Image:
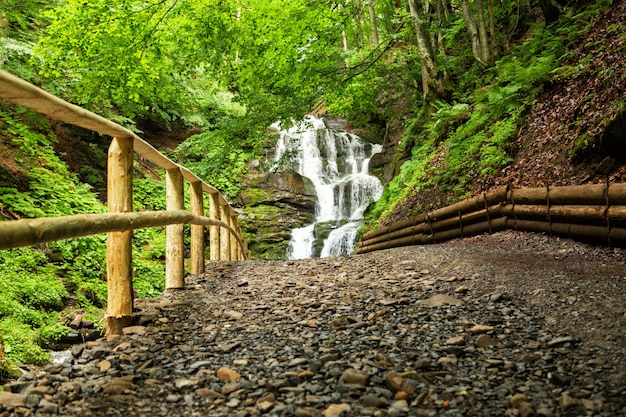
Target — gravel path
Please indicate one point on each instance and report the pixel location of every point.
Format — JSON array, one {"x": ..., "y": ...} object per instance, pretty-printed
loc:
[{"x": 502, "y": 325}]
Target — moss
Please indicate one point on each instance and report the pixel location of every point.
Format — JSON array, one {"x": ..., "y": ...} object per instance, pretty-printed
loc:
[
  {"x": 255, "y": 196},
  {"x": 264, "y": 227},
  {"x": 262, "y": 212}
]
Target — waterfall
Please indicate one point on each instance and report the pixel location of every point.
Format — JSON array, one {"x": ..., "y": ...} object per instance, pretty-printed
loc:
[{"x": 337, "y": 163}]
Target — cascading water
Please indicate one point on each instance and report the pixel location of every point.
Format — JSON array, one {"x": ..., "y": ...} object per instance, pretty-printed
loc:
[{"x": 337, "y": 163}]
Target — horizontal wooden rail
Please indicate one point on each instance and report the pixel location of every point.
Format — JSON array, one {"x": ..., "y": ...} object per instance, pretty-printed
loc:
[
  {"x": 595, "y": 213},
  {"x": 466, "y": 206},
  {"x": 226, "y": 238},
  {"x": 17, "y": 233}
]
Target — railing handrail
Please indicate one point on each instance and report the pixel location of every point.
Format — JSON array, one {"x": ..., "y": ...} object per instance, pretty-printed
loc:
[
  {"x": 17, "y": 91},
  {"x": 25, "y": 232},
  {"x": 121, "y": 220}
]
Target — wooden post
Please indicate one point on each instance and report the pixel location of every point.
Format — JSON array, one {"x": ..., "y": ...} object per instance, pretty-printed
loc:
[
  {"x": 119, "y": 249},
  {"x": 240, "y": 253},
  {"x": 233, "y": 239},
  {"x": 224, "y": 235},
  {"x": 175, "y": 245},
  {"x": 197, "y": 231},
  {"x": 242, "y": 250},
  {"x": 214, "y": 231}
]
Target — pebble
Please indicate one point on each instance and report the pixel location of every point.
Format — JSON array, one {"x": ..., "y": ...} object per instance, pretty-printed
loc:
[
  {"x": 484, "y": 340},
  {"x": 352, "y": 376},
  {"x": 566, "y": 402},
  {"x": 336, "y": 410},
  {"x": 227, "y": 374},
  {"x": 382, "y": 334},
  {"x": 480, "y": 328},
  {"x": 456, "y": 341},
  {"x": 105, "y": 365}
]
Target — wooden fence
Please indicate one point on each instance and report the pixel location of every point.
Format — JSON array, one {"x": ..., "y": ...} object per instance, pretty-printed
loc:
[
  {"x": 226, "y": 239},
  {"x": 594, "y": 213}
]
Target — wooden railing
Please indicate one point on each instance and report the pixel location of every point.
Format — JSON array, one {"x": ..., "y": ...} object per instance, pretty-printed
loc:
[
  {"x": 594, "y": 213},
  {"x": 226, "y": 238}
]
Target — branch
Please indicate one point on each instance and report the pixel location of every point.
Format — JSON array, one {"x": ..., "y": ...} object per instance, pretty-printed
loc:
[
  {"x": 156, "y": 25},
  {"x": 391, "y": 43},
  {"x": 371, "y": 63}
]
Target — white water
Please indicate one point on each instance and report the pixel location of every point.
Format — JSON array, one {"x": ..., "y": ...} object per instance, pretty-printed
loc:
[{"x": 337, "y": 163}]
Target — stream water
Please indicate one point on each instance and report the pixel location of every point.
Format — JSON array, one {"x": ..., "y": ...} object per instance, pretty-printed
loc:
[{"x": 337, "y": 163}]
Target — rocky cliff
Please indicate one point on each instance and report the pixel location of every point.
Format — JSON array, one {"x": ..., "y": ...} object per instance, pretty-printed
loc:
[{"x": 270, "y": 205}]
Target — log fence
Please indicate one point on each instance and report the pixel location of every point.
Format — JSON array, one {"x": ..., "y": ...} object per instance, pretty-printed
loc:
[
  {"x": 593, "y": 213},
  {"x": 226, "y": 239}
]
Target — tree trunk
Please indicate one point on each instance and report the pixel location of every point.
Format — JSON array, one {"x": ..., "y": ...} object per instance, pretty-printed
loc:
[
  {"x": 370, "y": 3},
  {"x": 482, "y": 31},
  {"x": 424, "y": 44},
  {"x": 4, "y": 26},
  {"x": 472, "y": 29},
  {"x": 492, "y": 28},
  {"x": 358, "y": 41},
  {"x": 442, "y": 15},
  {"x": 344, "y": 39}
]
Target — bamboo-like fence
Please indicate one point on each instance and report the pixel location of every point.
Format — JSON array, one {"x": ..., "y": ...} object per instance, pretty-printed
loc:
[
  {"x": 226, "y": 239},
  {"x": 593, "y": 213}
]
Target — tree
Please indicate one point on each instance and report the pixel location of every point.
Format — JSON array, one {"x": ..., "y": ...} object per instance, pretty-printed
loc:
[
  {"x": 163, "y": 56},
  {"x": 431, "y": 74},
  {"x": 477, "y": 29},
  {"x": 372, "y": 12}
]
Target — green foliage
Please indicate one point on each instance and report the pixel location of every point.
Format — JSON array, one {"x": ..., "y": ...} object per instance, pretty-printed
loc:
[
  {"x": 53, "y": 189},
  {"x": 15, "y": 53},
  {"x": 36, "y": 283},
  {"x": 219, "y": 156},
  {"x": 148, "y": 194},
  {"x": 455, "y": 144},
  {"x": 21, "y": 342},
  {"x": 20, "y": 21},
  {"x": 357, "y": 101},
  {"x": 158, "y": 58},
  {"x": 152, "y": 242},
  {"x": 31, "y": 295},
  {"x": 53, "y": 332},
  {"x": 446, "y": 117},
  {"x": 83, "y": 266},
  {"x": 91, "y": 176},
  {"x": 149, "y": 278},
  {"x": 217, "y": 160}
]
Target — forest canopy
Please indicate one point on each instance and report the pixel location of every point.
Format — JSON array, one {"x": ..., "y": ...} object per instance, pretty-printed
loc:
[{"x": 171, "y": 57}]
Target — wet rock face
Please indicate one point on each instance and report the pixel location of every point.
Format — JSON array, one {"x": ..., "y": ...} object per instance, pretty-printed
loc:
[
  {"x": 386, "y": 164},
  {"x": 288, "y": 188},
  {"x": 271, "y": 204}
]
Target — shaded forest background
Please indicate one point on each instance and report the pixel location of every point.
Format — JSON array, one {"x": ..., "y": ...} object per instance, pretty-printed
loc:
[{"x": 465, "y": 95}]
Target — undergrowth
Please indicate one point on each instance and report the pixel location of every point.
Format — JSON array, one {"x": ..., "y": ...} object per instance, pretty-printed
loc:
[
  {"x": 454, "y": 143},
  {"x": 42, "y": 287}
]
